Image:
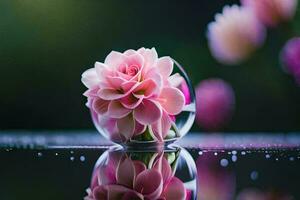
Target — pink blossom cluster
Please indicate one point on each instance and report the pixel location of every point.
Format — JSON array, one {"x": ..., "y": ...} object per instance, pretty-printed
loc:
[
  {"x": 239, "y": 30},
  {"x": 272, "y": 12},
  {"x": 132, "y": 92}
]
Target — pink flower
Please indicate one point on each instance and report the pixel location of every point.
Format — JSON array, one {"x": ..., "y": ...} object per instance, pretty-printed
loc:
[
  {"x": 215, "y": 103},
  {"x": 290, "y": 57},
  {"x": 124, "y": 178},
  {"x": 234, "y": 34},
  {"x": 214, "y": 181},
  {"x": 253, "y": 193},
  {"x": 135, "y": 89},
  {"x": 272, "y": 12}
]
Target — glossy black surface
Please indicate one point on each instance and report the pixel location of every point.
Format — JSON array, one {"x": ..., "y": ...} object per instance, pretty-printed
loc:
[{"x": 224, "y": 170}]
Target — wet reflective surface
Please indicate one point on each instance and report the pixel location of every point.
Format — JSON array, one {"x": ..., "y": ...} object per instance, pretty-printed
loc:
[{"x": 211, "y": 167}]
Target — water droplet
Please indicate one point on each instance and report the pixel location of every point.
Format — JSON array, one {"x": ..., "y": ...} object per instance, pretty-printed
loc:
[
  {"x": 234, "y": 152},
  {"x": 39, "y": 154},
  {"x": 268, "y": 156},
  {"x": 216, "y": 153},
  {"x": 200, "y": 153},
  {"x": 72, "y": 158},
  {"x": 243, "y": 153},
  {"x": 292, "y": 159},
  {"x": 71, "y": 152},
  {"x": 234, "y": 158},
  {"x": 224, "y": 162},
  {"x": 82, "y": 158},
  {"x": 254, "y": 175},
  {"x": 56, "y": 154},
  {"x": 276, "y": 159}
]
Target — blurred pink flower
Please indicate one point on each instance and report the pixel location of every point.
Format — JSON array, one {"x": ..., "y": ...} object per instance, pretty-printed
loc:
[
  {"x": 272, "y": 12},
  {"x": 251, "y": 194},
  {"x": 135, "y": 89},
  {"x": 214, "y": 181},
  {"x": 290, "y": 57},
  {"x": 215, "y": 103},
  {"x": 234, "y": 34},
  {"x": 123, "y": 178},
  {"x": 256, "y": 194}
]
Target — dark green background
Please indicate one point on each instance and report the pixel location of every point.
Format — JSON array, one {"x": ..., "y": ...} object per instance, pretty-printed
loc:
[{"x": 45, "y": 45}]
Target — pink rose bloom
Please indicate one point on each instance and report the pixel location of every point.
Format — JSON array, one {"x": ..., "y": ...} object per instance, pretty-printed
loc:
[
  {"x": 234, "y": 34},
  {"x": 215, "y": 103},
  {"x": 134, "y": 89},
  {"x": 123, "y": 178},
  {"x": 272, "y": 12},
  {"x": 290, "y": 57}
]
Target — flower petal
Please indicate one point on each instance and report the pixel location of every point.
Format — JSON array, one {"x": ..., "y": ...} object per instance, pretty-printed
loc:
[
  {"x": 114, "y": 59},
  {"x": 100, "y": 106},
  {"x": 115, "y": 82},
  {"x": 116, "y": 192},
  {"x": 129, "y": 52},
  {"x": 175, "y": 80},
  {"x": 175, "y": 190},
  {"x": 89, "y": 78},
  {"x": 150, "y": 56},
  {"x": 126, "y": 126},
  {"x": 172, "y": 100},
  {"x": 100, "y": 68},
  {"x": 146, "y": 88},
  {"x": 165, "y": 66},
  {"x": 117, "y": 110},
  {"x": 163, "y": 167},
  {"x": 135, "y": 59},
  {"x": 91, "y": 92},
  {"x": 132, "y": 195},
  {"x": 139, "y": 128},
  {"x": 129, "y": 86},
  {"x": 130, "y": 101},
  {"x": 100, "y": 192},
  {"x": 147, "y": 112},
  {"x": 125, "y": 172},
  {"x": 139, "y": 167},
  {"x": 110, "y": 94},
  {"x": 161, "y": 128},
  {"x": 154, "y": 75},
  {"x": 149, "y": 183}
]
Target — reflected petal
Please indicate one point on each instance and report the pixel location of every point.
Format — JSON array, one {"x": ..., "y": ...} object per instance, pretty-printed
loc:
[
  {"x": 175, "y": 190},
  {"x": 149, "y": 183}
]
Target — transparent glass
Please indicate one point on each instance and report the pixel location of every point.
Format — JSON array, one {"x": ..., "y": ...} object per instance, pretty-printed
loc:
[
  {"x": 168, "y": 174},
  {"x": 180, "y": 123}
]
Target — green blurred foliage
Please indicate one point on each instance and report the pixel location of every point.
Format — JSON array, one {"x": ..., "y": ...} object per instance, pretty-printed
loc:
[{"x": 45, "y": 45}]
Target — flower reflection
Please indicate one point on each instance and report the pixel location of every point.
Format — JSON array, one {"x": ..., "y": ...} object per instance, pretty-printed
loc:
[
  {"x": 256, "y": 194},
  {"x": 214, "y": 181},
  {"x": 141, "y": 175}
]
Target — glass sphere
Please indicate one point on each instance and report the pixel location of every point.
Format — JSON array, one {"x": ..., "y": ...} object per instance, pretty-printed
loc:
[
  {"x": 166, "y": 130},
  {"x": 126, "y": 175}
]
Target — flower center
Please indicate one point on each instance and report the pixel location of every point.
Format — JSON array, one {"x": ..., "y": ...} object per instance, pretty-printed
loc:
[{"x": 132, "y": 70}]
